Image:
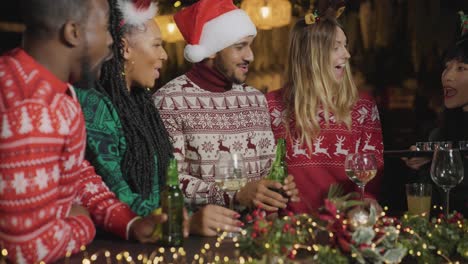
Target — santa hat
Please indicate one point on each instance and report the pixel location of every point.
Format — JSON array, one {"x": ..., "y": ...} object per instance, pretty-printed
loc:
[
  {"x": 136, "y": 12},
  {"x": 209, "y": 26}
]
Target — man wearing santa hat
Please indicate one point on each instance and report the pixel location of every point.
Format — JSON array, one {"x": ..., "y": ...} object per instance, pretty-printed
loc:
[{"x": 210, "y": 111}]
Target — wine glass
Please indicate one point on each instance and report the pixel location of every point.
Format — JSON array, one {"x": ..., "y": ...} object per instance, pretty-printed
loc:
[
  {"x": 229, "y": 176},
  {"x": 447, "y": 171},
  {"x": 361, "y": 168}
]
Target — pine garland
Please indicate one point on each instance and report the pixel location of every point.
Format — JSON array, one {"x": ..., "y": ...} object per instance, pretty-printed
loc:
[{"x": 340, "y": 235}]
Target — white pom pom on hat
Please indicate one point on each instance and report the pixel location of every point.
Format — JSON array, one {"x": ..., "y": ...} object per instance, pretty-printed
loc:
[
  {"x": 195, "y": 53},
  {"x": 209, "y": 26}
]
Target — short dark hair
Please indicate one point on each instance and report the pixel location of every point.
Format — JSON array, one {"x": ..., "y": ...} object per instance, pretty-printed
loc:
[{"x": 44, "y": 17}]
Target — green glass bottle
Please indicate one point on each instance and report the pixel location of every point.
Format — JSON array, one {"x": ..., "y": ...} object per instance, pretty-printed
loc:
[
  {"x": 279, "y": 169},
  {"x": 172, "y": 204}
]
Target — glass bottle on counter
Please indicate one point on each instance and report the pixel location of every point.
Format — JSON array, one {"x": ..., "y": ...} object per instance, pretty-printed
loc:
[
  {"x": 172, "y": 204},
  {"x": 279, "y": 169}
]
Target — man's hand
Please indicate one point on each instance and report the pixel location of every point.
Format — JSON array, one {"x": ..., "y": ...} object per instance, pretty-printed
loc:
[
  {"x": 207, "y": 220},
  {"x": 415, "y": 163},
  {"x": 79, "y": 210},
  {"x": 261, "y": 193},
  {"x": 142, "y": 229}
]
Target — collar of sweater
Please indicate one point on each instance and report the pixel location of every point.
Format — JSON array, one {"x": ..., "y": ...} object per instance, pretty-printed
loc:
[{"x": 209, "y": 79}]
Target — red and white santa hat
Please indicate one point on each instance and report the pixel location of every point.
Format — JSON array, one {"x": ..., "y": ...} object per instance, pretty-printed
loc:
[
  {"x": 136, "y": 12},
  {"x": 209, "y": 26}
]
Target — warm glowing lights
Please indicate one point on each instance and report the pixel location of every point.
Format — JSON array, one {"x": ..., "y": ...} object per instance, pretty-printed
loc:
[
  {"x": 265, "y": 12},
  {"x": 387, "y": 227},
  {"x": 268, "y": 14},
  {"x": 171, "y": 27},
  {"x": 170, "y": 32}
]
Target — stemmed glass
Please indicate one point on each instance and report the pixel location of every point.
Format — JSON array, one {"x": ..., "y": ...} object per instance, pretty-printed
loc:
[
  {"x": 229, "y": 176},
  {"x": 447, "y": 171},
  {"x": 361, "y": 168}
]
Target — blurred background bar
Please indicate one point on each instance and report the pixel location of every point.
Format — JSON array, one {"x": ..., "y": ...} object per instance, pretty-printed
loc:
[{"x": 396, "y": 46}]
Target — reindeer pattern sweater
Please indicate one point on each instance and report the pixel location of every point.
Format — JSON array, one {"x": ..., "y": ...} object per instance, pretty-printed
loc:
[
  {"x": 314, "y": 171},
  {"x": 205, "y": 115},
  {"x": 42, "y": 171}
]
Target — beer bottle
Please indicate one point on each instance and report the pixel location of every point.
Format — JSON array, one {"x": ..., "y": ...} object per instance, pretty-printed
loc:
[
  {"x": 279, "y": 169},
  {"x": 172, "y": 203}
]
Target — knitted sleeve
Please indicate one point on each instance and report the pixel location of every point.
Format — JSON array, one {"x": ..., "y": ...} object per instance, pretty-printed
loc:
[
  {"x": 105, "y": 149},
  {"x": 196, "y": 190},
  {"x": 35, "y": 196},
  {"x": 105, "y": 209}
]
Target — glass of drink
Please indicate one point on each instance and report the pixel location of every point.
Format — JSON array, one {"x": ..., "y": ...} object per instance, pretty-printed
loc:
[
  {"x": 229, "y": 176},
  {"x": 447, "y": 171},
  {"x": 361, "y": 168},
  {"x": 422, "y": 146},
  {"x": 418, "y": 197}
]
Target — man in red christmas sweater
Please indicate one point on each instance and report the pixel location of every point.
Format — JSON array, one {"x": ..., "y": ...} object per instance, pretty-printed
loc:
[
  {"x": 50, "y": 197},
  {"x": 209, "y": 111}
]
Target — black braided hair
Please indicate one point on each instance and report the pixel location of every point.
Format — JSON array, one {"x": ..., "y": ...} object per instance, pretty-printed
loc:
[{"x": 143, "y": 128}]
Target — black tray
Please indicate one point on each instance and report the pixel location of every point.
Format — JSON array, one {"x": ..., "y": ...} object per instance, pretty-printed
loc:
[
  {"x": 413, "y": 153},
  {"x": 408, "y": 153}
]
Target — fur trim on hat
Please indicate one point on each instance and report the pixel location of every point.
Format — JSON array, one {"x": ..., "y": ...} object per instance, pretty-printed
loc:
[
  {"x": 136, "y": 14},
  {"x": 220, "y": 33}
]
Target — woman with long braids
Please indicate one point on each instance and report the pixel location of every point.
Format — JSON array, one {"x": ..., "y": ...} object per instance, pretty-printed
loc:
[{"x": 127, "y": 141}]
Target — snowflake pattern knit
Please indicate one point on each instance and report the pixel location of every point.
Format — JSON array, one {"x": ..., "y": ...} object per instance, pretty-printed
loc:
[
  {"x": 314, "y": 171},
  {"x": 202, "y": 124},
  {"x": 42, "y": 171}
]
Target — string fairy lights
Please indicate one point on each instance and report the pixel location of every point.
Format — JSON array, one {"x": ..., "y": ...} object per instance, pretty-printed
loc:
[{"x": 442, "y": 239}]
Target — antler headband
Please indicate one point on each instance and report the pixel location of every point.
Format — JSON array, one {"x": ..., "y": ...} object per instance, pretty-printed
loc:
[
  {"x": 464, "y": 22},
  {"x": 313, "y": 17}
]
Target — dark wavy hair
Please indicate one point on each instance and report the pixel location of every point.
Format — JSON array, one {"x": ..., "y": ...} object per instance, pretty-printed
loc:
[{"x": 144, "y": 130}]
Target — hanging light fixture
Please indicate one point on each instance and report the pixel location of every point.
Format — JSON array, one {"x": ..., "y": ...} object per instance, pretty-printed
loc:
[
  {"x": 268, "y": 14},
  {"x": 170, "y": 32}
]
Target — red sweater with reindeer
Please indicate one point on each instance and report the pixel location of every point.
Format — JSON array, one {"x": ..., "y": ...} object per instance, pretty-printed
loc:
[
  {"x": 206, "y": 115},
  {"x": 314, "y": 171},
  {"x": 42, "y": 171}
]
